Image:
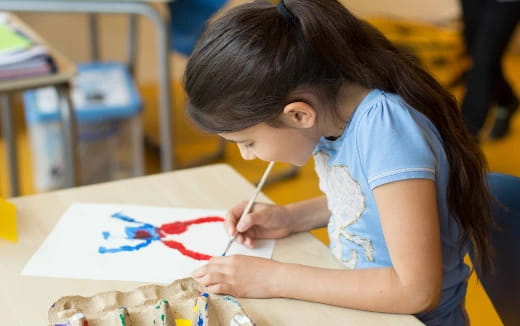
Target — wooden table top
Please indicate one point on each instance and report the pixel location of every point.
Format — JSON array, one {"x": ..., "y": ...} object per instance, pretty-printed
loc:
[{"x": 24, "y": 300}]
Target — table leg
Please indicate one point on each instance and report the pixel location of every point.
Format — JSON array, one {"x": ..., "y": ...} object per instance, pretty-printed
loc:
[
  {"x": 8, "y": 126},
  {"x": 165, "y": 114},
  {"x": 131, "y": 47},
  {"x": 69, "y": 133}
]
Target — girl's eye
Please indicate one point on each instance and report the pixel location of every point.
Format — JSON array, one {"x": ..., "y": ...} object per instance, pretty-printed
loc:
[{"x": 249, "y": 145}]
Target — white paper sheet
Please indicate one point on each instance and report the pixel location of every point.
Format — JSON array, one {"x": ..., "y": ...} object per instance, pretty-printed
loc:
[{"x": 74, "y": 249}]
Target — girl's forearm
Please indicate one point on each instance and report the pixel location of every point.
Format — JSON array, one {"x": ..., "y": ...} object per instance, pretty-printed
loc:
[
  {"x": 375, "y": 289},
  {"x": 309, "y": 214}
]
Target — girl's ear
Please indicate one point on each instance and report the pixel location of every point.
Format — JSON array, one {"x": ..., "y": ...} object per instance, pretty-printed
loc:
[{"x": 299, "y": 115}]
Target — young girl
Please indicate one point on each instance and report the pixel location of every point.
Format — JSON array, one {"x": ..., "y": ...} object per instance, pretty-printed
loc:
[{"x": 404, "y": 182}]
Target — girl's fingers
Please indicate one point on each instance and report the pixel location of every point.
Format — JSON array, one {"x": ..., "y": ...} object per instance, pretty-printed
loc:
[
  {"x": 199, "y": 272},
  {"x": 249, "y": 242},
  {"x": 212, "y": 265},
  {"x": 210, "y": 274},
  {"x": 211, "y": 279},
  {"x": 229, "y": 225},
  {"x": 256, "y": 218},
  {"x": 233, "y": 216},
  {"x": 245, "y": 223},
  {"x": 219, "y": 288}
]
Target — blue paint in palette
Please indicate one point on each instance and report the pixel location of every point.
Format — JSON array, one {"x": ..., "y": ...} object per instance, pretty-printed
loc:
[
  {"x": 232, "y": 300},
  {"x": 202, "y": 309}
]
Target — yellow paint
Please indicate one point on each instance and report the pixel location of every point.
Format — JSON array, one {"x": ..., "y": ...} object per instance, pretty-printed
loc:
[
  {"x": 8, "y": 221},
  {"x": 182, "y": 322},
  {"x": 195, "y": 308}
]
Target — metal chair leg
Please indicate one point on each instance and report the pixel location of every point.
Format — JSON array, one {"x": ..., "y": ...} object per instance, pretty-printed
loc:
[
  {"x": 69, "y": 134},
  {"x": 8, "y": 125},
  {"x": 93, "y": 35},
  {"x": 131, "y": 46}
]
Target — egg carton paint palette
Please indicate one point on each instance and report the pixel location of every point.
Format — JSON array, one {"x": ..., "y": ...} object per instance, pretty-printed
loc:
[{"x": 182, "y": 303}]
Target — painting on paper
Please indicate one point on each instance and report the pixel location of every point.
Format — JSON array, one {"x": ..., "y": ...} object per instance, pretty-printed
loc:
[{"x": 134, "y": 243}]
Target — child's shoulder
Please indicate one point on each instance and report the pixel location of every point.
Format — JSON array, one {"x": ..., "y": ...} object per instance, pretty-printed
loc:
[
  {"x": 388, "y": 117},
  {"x": 382, "y": 108}
]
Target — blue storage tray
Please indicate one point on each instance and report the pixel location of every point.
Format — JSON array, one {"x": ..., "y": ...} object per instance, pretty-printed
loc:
[{"x": 101, "y": 91}]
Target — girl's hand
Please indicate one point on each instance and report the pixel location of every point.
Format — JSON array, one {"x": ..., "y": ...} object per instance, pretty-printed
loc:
[
  {"x": 264, "y": 221},
  {"x": 239, "y": 276}
]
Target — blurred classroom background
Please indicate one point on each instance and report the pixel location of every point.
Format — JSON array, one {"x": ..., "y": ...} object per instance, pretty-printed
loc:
[{"x": 429, "y": 30}]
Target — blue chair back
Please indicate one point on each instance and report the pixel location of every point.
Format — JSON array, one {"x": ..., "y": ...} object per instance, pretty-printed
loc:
[
  {"x": 503, "y": 287},
  {"x": 187, "y": 21}
]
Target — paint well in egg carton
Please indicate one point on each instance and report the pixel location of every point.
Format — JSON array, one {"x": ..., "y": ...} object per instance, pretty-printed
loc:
[{"x": 182, "y": 303}]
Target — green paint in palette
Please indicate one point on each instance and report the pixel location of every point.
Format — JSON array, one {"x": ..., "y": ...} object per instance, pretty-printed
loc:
[
  {"x": 162, "y": 314},
  {"x": 124, "y": 317}
]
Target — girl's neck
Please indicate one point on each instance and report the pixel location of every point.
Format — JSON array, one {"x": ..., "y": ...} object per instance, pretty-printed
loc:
[{"x": 349, "y": 97}]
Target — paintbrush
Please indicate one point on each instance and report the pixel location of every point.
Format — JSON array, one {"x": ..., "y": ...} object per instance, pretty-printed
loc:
[{"x": 250, "y": 203}]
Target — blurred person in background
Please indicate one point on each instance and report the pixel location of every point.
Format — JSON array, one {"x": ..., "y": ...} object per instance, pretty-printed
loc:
[{"x": 488, "y": 27}]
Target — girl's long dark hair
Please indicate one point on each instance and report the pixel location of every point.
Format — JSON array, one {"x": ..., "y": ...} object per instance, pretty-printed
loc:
[{"x": 248, "y": 63}]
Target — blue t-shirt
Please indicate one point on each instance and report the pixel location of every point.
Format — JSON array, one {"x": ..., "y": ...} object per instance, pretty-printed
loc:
[{"x": 386, "y": 140}]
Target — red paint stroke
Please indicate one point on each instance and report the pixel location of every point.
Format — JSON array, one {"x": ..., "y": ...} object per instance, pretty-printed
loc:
[
  {"x": 186, "y": 252},
  {"x": 181, "y": 227}
]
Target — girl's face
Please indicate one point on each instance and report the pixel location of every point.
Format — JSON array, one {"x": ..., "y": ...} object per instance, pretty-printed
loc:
[
  {"x": 282, "y": 144},
  {"x": 301, "y": 130}
]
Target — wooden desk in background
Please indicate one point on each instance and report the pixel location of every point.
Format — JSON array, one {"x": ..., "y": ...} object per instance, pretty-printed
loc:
[
  {"x": 60, "y": 80},
  {"x": 24, "y": 300},
  {"x": 145, "y": 8}
]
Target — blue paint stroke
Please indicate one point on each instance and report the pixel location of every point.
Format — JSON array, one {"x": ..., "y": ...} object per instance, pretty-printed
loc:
[
  {"x": 144, "y": 232},
  {"x": 105, "y": 250},
  {"x": 106, "y": 235}
]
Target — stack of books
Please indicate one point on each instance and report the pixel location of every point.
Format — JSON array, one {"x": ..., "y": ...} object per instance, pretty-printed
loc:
[{"x": 21, "y": 56}]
